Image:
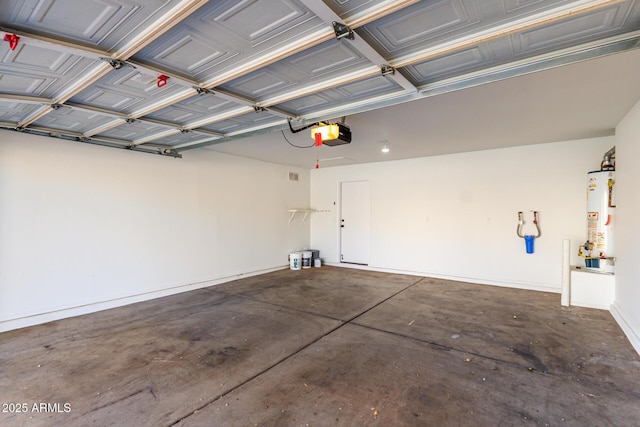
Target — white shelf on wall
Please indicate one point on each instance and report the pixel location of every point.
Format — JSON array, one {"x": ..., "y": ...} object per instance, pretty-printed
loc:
[{"x": 306, "y": 212}]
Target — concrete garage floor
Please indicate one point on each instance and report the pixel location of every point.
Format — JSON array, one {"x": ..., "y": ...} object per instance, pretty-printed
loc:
[{"x": 325, "y": 347}]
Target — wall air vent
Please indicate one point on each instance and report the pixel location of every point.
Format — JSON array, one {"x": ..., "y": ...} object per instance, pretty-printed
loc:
[{"x": 293, "y": 176}]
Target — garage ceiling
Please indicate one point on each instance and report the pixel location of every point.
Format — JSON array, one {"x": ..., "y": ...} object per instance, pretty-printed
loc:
[{"x": 165, "y": 76}]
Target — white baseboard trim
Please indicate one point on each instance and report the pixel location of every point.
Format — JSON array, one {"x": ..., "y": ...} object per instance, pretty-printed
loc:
[
  {"x": 632, "y": 335},
  {"x": 37, "y": 319},
  {"x": 541, "y": 287},
  {"x": 589, "y": 304}
]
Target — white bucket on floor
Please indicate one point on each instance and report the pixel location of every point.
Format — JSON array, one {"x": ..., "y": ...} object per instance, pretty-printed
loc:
[
  {"x": 306, "y": 259},
  {"x": 295, "y": 260},
  {"x": 317, "y": 262}
]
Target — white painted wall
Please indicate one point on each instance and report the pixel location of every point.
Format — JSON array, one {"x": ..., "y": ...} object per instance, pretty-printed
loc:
[
  {"x": 626, "y": 308},
  {"x": 84, "y": 228},
  {"x": 455, "y": 216}
]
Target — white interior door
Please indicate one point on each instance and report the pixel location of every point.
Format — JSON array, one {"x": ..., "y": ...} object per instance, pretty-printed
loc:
[{"x": 355, "y": 218}]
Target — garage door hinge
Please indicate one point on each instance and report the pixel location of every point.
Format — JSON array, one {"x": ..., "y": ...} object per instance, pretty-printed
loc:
[
  {"x": 116, "y": 63},
  {"x": 202, "y": 90},
  {"x": 342, "y": 31}
]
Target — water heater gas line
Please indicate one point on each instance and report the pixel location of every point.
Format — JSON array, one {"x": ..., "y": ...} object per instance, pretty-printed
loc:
[{"x": 528, "y": 238}]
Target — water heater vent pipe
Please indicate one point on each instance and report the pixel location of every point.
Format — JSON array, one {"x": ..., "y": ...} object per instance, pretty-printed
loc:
[{"x": 608, "y": 160}]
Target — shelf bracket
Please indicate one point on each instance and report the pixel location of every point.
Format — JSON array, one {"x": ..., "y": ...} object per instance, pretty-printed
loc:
[{"x": 293, "y": 212}]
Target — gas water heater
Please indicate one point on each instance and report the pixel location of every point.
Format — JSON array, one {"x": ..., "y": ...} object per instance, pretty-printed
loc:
[{"x": 599, "y": 251}]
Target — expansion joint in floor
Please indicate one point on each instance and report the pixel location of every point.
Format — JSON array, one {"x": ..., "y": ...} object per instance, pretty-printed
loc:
[{"x": 289, "y": 356}]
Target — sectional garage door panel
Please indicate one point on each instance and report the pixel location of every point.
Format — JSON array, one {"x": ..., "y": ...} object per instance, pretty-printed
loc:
[{"x": 176, "y": 72}]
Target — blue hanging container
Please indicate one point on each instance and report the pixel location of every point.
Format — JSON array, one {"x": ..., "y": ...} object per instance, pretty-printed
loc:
[{"x": 528, "y": 241}]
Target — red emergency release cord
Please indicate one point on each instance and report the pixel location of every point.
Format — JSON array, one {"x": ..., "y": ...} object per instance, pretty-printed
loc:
[
  {"x": 318, "y": 138},
  {"x": 12, "y": 39}
]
